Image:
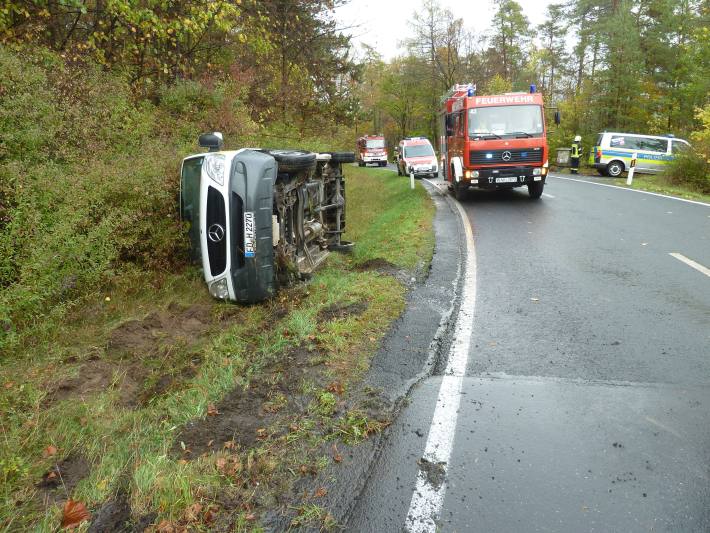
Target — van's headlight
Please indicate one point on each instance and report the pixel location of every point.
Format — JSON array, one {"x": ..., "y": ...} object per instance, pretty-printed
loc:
[
  {"x": 214, "y": 166},
  {"x": 219, "y": 289}
]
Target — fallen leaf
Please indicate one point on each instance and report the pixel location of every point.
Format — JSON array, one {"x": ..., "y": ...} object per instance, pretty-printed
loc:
[
  {"x": 182, "y": 461},
  {"x": 50, "y": 451},
  {"x": 336, "y": 455},
  {"x": 322, "y": 491},
  {"x": 261, "y": 433},
  {"x": 229, "y": 445},
  {"x": 210, "y": 443},
  {"x": 9, "y": 385},
  {"x": 165, "y": 527},
  {"x": 336, "y": 387},
  {"x": 212, "y": 410},
  {"x": 192, "y": 513},
  {"x": 250, "y": 517},
  {"x": 75, "y": 513},
  {"x": 220, "y": 463}
]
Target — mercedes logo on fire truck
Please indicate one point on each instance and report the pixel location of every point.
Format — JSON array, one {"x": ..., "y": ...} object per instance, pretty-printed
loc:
[
  {"x": 506, "y": 156},
  {"x": 215, "y": 233}
]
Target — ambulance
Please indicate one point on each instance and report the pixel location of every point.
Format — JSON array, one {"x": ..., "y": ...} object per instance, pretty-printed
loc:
[{"x": 416, "y": 155}]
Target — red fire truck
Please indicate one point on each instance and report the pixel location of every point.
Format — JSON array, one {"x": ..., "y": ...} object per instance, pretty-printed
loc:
[
  {"x": 371, "y": 149},
  {"x": 493, "y": 142}
]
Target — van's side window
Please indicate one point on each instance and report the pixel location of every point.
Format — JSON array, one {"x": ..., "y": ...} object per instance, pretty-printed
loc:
[
  {"x": 678, "y": 147},
  {"x": 654, "y": 145},
  {"x": 618, "y": 141}
]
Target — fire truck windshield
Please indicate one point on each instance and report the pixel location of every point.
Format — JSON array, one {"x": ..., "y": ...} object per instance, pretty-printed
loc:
[
  {"x": 418, "y": 150},
  {"x": 375, "y": 143},
  {"x": 497, "y": 121}
]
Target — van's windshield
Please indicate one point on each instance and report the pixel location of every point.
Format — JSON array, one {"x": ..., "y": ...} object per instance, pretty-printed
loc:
[
  {"x": 512, "y": 120},
  {"x": 418, "y": 150}
]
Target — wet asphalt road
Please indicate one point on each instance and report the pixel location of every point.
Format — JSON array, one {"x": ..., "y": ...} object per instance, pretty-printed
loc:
[{"x": 586, "y": 401}]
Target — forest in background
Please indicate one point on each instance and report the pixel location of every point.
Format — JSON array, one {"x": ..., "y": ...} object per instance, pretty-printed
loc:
[
  {"x": 103, "y": 98},
  {"x": 622, "y": 65}
]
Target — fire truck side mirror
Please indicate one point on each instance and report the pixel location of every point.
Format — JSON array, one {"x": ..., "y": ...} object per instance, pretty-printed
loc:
[
  {"x": 449, "y": 126},
  {"x": 558, "y": 118}
]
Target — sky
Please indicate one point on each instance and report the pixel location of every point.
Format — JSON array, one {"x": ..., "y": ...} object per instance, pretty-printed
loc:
[{"x": 383, "y": 23}]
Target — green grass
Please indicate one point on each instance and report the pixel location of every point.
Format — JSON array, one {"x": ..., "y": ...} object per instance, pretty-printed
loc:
[
  {"x": 653, "y": 183},
  {"x": 129, "y": 448}
]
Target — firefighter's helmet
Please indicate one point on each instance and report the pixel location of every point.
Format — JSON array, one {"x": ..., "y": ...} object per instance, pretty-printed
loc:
[{"x": 577, "y": 138}]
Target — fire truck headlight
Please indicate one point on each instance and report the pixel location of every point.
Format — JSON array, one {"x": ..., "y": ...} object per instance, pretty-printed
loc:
[
  {"x": 219, "y": 289},
  {"x": 214, "y": 166},
  {"x": 537, "y": 171},
  {"x": 475, "y": 174}
]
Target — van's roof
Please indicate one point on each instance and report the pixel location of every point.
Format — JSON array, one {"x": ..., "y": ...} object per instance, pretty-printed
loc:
[{"x": 642, "y": 135}]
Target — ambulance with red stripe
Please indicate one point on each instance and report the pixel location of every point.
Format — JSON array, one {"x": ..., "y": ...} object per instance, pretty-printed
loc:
[{"x": 493, "y": 142}]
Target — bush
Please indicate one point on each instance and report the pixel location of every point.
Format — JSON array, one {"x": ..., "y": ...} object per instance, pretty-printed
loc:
[
  {"x": 692, "y": 168},
  {"x": 89, "y": 181}
]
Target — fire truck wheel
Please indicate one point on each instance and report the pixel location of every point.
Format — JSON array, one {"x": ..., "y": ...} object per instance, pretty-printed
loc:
[
  {"x": 460, "y": 192},
  {"x": 342, "y": 157},
  {"x": 535, "y": 189},
  {"x": 293, "y": 160},
  {"x": 614, "y": 169}
]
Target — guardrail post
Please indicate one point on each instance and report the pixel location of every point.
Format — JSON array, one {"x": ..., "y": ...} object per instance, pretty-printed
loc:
[
  {"x": 632, "y": 167},
  {"x": 411, "y": 179}
]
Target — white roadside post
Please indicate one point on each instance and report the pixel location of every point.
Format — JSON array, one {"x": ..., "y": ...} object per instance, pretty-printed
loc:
[
  {"x": 632, "y": 167},
  {"x": 411, "y": 178}
]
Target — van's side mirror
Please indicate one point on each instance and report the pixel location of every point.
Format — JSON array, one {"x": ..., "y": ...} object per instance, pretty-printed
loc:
[
  {"x": 212, "y": 141},
  {"x": 557, "y": 118}
]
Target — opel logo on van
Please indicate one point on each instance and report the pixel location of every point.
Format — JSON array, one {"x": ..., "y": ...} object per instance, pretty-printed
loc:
[
  {"x": 506, "y": 156},
  {"x": 215, "y": 233}
]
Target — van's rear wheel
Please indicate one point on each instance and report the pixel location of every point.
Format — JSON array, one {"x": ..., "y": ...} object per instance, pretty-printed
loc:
[{"x": 614, "y": 169}]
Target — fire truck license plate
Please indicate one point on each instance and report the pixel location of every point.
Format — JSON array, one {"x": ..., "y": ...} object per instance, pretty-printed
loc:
[
  {"x": 249, "y": 250},
  {"x": 506, "y": 180}
]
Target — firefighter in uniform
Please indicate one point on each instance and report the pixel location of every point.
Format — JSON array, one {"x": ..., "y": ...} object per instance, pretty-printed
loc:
[{"x": 575, "y": 154}]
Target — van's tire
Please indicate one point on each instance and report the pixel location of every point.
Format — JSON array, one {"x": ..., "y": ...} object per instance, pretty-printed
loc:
[
  {"x": 614, "y": 169},
  {"x": 535, "y": 189},
  {"x": 293, "y": 160},
  {"x": 342, "y": 157}
]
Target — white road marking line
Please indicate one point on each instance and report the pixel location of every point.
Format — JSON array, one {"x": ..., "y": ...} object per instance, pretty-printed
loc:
[
  {"x": 547, "y": 195},
  {"x": 428, "y": 498},
  {"x": 633, "y": 190},
  {"x": 691, "y": 263}
]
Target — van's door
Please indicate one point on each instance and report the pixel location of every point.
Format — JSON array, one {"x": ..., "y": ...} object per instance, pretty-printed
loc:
[{"x": 653, "y": 153}]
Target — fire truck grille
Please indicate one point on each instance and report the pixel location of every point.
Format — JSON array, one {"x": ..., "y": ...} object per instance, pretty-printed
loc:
[
  {"x": 496, "y": 157},
  {"x": 216, "y": 225}
]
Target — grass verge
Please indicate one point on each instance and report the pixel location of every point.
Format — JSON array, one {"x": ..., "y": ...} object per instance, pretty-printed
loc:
[
  {"x": 651, "y": 183},
  {"x": 157, "y": 406}
]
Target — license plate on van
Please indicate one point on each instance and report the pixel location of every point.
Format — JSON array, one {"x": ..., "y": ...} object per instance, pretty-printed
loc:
[
  {"x": 249, "y": 248},
  {"x": 506, "y": 180}
]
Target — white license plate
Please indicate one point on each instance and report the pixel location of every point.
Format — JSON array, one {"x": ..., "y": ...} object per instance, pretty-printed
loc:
[
  {"x": 249, "y": 248},
  {"x": 506, "y": 180}
]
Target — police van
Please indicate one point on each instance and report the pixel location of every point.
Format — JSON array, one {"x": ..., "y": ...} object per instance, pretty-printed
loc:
[{"x": 613, "y": 152}]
